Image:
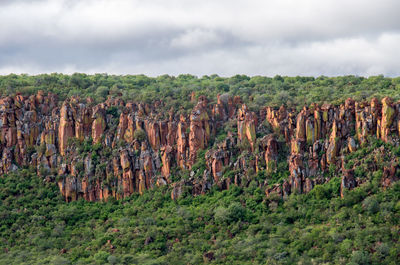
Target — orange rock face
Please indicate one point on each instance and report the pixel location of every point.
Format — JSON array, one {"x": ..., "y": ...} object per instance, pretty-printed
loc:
[
  {"x": 167, "y": 161},
  {"x": 301, "y": 126},
  {"x": 333, "y": 147},
  {"x": 66, "y": 127},
  {"x": 122, "y": 125},
  {"x": 99, "y": 123},
  {"x": 182, "y": 144},
  {"x": 83, "y": 122},
  {"x": 246, "y": 123},
  {"x": 271, "y": 153},
  {"x": 216, "y": 162},
  {"x": 219, "y": 110},
  {"x": 130, "y": 129},
  {"x": 35, "y": 132},
  {"x": 199, "y": 130},
  {"x": 388, "y": 116},
  {"x": 153, "y": 132}
]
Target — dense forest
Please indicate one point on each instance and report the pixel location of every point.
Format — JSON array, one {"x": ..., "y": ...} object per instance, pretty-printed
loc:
[
  {"x": 237, "y": 226},
  {"x": 256, "y": 91},
  {"x": 260, "y": 187}
]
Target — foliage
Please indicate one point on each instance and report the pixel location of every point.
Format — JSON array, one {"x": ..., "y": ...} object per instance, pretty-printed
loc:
[
  {"x": 256, "y": 91},
  {"x": 237, "y": 225},
  {"x": 139, "y": 135}
]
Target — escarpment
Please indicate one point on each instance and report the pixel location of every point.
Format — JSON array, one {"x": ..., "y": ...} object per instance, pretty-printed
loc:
[{"x": 116, "y": 148}]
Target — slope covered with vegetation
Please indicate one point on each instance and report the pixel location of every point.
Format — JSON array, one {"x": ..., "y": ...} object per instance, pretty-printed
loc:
[
  {"x": 237, "y": 226},
  {"x": 257, "y": 190}
]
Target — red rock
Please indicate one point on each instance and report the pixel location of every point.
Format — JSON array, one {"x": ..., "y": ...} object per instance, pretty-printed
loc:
[
  {"x": 147, "y": 170},
  {"x": 33, "y": 127},
  {"x": 246, "y": 122},
  {"x": 83, "y": 122},
  {"x": 167, "y": 161},
  {"x": 215, "y": 162},
  {"x": 122, "y": 125},
  {"x": 301, "y": 125},
  {"x": 130, "y": 129},
  {"x": 182, "y": 143},
  {"x": 199, "y": 130},
  {"x": 297, "y": 173},
  {"x": 99, "y": 123},
  {"x": 231, "y": 108},
  {"x": 313, "y": 161},
  {"x": 333, "y": 147},
  {"x": 388, "y": 115},
  {"x": 66, "y": 127},
  {"x": 271, "y": 153},
  {"x": 153, "y": 133},
  {"x": 219, "y": 112}
]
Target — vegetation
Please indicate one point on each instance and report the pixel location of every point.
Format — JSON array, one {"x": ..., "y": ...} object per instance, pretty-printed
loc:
[
  {"x": 235, "y": 226},
  {"x": 256, "y": 91},
  {"x": 238, "y": 226},
  {"x": 139, "y": 135}
]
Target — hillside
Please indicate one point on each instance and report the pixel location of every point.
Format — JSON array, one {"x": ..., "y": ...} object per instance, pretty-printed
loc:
[{"x": 185, "y": 170}]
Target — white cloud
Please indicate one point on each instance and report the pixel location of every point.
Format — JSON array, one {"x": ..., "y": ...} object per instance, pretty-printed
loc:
[
  {"x": 303, "y": 37},
  {"x": 196, "y": 38}
]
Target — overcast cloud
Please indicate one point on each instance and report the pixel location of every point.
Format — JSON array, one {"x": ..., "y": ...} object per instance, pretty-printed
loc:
[{"x": 153, "y": 37}]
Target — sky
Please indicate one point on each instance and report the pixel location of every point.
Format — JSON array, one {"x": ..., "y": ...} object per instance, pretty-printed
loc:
[{"x": 155, "y": 37}]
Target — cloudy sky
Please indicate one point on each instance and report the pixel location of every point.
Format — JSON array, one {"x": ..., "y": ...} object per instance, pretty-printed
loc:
[{"x": 226, "y": 37}]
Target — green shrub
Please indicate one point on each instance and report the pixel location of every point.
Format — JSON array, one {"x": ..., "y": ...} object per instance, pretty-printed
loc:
[
  {"x": 236, "y": 212},
  {"x": 112, "y": 259},
  {"x": 221, "y": 215},
  {"x": 371, "y": 205},
  {"x": 360, "y": 258},
  {"x": 140, "y": 135}
]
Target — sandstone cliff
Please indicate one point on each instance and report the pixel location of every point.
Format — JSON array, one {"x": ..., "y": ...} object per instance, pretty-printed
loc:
[{"x": 116, "y": 148}]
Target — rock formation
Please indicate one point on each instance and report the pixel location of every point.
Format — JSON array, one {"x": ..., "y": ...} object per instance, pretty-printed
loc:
[{"x": 94, "y": 154}]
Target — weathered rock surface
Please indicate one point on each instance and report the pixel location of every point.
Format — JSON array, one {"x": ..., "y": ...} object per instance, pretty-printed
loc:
[
  {"x": 52, "y": 137},
  {"x": 199, "y": 135},
  {"x": 246, "y": 123}
]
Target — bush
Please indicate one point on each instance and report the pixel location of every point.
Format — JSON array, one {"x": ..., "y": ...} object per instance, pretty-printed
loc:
[
  {"x": 221, "y": 215},
  {"x": 360, "y": 258},
  {"x": 140, "y": 135},
  {"x": 382, "y": 250},
  {"x": 320, "y": 192},
  {"x": 127, "y": 259},
  {"x": 60, "y": 261},
  {"x": 236, "y": 212},
  {"x": 101, "y": 256},
  {"x": 371, "y": 205},
  {"x": 112, "y": 259}
]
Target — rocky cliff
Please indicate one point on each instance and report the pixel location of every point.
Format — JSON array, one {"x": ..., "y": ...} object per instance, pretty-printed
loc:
[{"x": 116, "y": 148}]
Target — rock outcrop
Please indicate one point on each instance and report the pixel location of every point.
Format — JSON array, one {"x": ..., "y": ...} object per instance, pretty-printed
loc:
[
  {"x": 66, "y": 127},
  {"x": 246, "y": 123},
  {"x": 117, "y": 148},
  {"x": 199, "y": 135}
]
